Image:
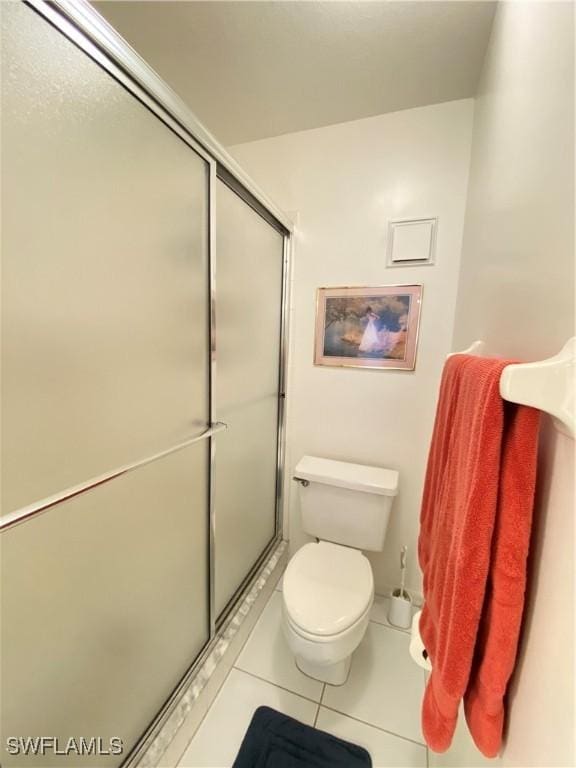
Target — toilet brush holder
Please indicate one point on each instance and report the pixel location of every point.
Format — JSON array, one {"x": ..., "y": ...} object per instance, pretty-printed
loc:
[{"x": 400, "y": 609}]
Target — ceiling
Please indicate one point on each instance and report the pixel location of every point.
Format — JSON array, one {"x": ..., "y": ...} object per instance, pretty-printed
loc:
[{"x": 250, "y": 70}]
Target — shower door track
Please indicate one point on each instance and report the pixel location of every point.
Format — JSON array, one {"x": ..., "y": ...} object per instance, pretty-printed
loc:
[
  {"x": 145, "y": 742},
  {"x": 80, "y": 23}
]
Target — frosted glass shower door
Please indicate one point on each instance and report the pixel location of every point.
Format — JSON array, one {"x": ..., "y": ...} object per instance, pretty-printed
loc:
[
  {"x": 249, "y": 269},
  {"x": 105, "y": 364}
]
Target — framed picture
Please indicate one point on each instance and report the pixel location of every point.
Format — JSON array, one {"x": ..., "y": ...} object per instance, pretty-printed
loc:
[{"x": 368, "y": 327}]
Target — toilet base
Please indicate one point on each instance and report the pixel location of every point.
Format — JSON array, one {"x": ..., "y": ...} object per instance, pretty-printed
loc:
[{"x": 333, "y": 674}]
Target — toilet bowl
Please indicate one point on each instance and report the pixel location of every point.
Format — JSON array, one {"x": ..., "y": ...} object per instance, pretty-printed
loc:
[
  {"x": 328, "y": 591},
  {"x": 328, "y": 586}
]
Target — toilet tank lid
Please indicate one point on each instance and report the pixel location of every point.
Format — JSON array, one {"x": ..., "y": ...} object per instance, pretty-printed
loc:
[{"x": 356, "y": 477}]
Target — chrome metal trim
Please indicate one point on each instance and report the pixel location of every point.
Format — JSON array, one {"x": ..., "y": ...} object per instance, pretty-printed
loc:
[
  {"x": 38, "y": 507},
  {"x": 236, "y": 186},
  {"x": 79, "y": 21},
  {"x": 142, "y": 745},
  {"x": 247, "y": 581},
  {"x": 282, "y": 381},
  {"x": 122, "y": 75},
  {"x": 280, "y": 394},
  {"x": 252, "y": 577},
  {"x": 81, "y": 24},
  {"x": 212, "y": 214}
]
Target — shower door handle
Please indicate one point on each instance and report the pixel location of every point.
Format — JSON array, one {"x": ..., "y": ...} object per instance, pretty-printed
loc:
[{"x": 213, "y": 429}]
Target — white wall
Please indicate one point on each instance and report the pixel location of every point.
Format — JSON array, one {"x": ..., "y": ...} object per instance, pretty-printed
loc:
[
  {"x": 516, "y": 291},
  {"x": 346, "y": 181}
]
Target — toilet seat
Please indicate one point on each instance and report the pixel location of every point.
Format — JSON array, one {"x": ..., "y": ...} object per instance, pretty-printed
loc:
[
  {"x": 327, "y": 590},
  {"x": 340, "y": 636}
]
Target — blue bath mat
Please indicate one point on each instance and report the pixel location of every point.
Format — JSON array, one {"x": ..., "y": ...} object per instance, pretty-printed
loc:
[{"x": 274, "y": 740}]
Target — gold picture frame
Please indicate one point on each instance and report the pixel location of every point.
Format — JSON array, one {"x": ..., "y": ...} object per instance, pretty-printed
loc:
[{"x": 368, "y": 327}]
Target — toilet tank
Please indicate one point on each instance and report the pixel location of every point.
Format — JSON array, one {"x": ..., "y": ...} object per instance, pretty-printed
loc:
[{"x": 346, "y": 503}]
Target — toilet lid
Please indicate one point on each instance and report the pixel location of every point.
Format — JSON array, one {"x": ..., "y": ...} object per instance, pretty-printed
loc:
[{"x": 327, "y": 588}]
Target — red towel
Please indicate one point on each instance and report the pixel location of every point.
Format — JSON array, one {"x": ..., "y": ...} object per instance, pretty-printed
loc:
[{"x": 474, "y": 534}]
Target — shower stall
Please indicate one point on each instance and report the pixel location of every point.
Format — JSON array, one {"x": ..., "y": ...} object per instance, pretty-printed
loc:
[{"x": 143, "y": 343}]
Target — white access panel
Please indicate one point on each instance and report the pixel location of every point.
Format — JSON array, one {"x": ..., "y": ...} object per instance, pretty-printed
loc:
[{"x": 411, "y": 242}]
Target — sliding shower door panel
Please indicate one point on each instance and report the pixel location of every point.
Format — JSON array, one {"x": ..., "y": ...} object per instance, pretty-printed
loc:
[
  {"x": 105, "y": 363},
  {"x": 104, "y": 607},
  {"x": 105, "y": 270},
  {"x": 249, "y": 269}
]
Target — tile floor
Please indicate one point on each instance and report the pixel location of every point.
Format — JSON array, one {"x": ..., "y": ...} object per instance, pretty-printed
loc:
[{"x": 378, "y": 707}]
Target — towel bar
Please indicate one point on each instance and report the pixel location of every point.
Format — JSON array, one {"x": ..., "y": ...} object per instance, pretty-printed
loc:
[
  {"x": 23, "y": 514},
  {"x": 545, "y": 384}
]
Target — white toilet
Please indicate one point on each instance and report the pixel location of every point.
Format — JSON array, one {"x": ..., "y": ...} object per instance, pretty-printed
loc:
[{"x": 328, "y": 586}]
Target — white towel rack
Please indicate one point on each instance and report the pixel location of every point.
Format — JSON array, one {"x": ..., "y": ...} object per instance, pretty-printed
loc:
[{"x": 546, "y": 384}]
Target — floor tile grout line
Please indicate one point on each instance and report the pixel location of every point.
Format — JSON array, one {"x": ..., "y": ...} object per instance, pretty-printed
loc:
[
  {"x": 319, "y": 704},
  {"x": 377, "y": 727},
  {"x": 316, "y": 715},
  {"x": 224, "y": 681},
  {"x": 282, "y": 687},
  {"x": 389, "y": 626},
  {"x": 324, "y": 690}
]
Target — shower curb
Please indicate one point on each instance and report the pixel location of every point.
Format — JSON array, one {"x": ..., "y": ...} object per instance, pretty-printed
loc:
[{"x": 154, "y": 752}]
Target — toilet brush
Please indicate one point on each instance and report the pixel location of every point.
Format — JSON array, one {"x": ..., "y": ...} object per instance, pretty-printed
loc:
[
  {"x": 403, "y": 552},
  {"x": 400, "y": 609}
]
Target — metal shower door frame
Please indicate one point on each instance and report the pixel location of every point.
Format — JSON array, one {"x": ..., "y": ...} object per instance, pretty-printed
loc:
[{"x": 81, "y": 24}]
